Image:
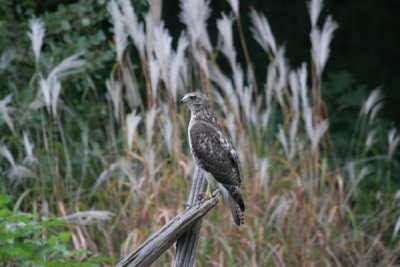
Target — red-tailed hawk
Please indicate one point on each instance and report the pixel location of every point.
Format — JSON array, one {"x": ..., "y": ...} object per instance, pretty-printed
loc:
[{"x": 213, "y": 152}]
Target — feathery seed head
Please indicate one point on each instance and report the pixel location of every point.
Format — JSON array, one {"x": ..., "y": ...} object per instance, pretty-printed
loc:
[
  {"x": 314, "y": 9},
  {"x": 28, "y": 145},
  {"x": 224, "y": 26},
  {"x": 194, "y": 15},
  {"x": 177, "y": 67},
  {"x": 393, "y": 141},
  {"x": 36, "y": 35},
  {"x": 133, "y": 27},
  {"x": 120, "y": 33},
  {"x": 5, "y": 110},
  {"x": 87, "y": 217},
  {"x": 262, "y": 32},
  {"x": 235, "y": 6},
  {"x": 320, "y": 42},
  {"x": 132, "y": 122},
  {"x": 373, "y": 99}
]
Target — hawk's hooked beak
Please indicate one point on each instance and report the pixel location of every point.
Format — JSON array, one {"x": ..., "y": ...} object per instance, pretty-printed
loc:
[{"x": 183, "y": 100}]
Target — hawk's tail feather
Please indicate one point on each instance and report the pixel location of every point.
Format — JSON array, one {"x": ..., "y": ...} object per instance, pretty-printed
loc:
[
  {"x": 235, "y": 193},
  {"x": 235, "y": 201},
  {"x": 236, "y": 210},
  {"x": 239, "y": 201}
]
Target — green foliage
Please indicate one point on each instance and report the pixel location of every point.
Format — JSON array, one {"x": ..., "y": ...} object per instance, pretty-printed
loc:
[{"x": 30, "y": 240}]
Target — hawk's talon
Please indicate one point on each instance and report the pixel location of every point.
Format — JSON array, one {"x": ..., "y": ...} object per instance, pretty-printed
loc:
[{"x": 204, "y": 196}]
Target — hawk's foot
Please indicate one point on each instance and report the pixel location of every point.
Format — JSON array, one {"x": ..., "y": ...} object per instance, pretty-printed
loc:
[{"x": 205, "y": 195}]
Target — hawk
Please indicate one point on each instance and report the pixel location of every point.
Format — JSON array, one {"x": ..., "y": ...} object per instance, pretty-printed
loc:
[{"x": 214, "y": 154}]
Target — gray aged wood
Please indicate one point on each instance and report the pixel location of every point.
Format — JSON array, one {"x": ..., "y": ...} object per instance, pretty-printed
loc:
[
  {"x": 187, "y": 243},
  {"x": 165, "y": 237}
]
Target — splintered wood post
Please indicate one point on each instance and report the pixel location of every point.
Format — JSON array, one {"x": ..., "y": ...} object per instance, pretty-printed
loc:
[
  {"x": 187, "y": 243},
  {"x": 165, "y": 237}
]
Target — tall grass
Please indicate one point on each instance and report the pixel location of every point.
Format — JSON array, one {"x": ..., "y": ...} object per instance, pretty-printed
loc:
[{"x": 122, "y": 168}]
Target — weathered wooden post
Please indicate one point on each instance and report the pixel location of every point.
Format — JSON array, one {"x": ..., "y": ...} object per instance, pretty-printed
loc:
[
  {"x": 185, "y": 226},
  {"x": 187, "y": 243}
]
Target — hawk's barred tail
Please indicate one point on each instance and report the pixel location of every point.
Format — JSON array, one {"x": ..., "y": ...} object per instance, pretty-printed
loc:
[
  {"x": 236, "y": 204},
  {"x": 234, "y": 191},
  {"x": 237, "y": 213}
]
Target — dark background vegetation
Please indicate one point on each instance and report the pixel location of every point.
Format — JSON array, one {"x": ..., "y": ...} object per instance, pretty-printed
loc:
[{"x": 365, "y": 45}]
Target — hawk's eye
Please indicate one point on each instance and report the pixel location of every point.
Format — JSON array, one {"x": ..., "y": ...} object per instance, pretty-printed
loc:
[{"x": 192, "y": 97}]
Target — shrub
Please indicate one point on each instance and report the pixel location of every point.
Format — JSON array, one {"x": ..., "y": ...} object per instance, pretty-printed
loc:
[{"x": 28, "y": 240}]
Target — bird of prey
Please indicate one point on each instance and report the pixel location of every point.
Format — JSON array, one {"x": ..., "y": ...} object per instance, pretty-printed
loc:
[{"x": 214, "y": 154}]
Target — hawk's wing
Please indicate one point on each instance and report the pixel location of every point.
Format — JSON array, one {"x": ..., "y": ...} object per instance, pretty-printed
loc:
[{"x": 214, "y": 152}]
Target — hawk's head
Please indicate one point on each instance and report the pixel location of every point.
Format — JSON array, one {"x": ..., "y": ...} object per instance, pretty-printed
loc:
[{"x": 195, "y": 100}]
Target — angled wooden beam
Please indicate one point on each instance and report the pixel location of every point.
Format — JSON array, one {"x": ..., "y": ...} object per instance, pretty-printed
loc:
[{"x": 165, "y": 237}]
